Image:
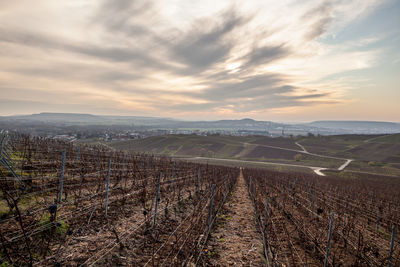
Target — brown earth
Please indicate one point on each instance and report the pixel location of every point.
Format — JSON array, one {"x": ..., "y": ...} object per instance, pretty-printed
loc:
[{"x": 235, "y": 241}]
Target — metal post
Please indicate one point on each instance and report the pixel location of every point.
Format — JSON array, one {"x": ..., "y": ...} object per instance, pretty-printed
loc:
[
  {"x": 266, "y": 214},
  {"x": 377, "y": 220},
  {"x": 326, "y": 264},
  {"x": 226, "y": 188},
  {"x": 198, "y": 178},
  {"x": 147, "y": 168},
  {"x": 345, "y": 210},
  {"x": 77, "y": 153},
  {"x": 2, "y": 145},
  {"x": 313, "y": 204},
  {"x": 99, "y": 162},
  {"x": 250, "y": 185},
  {"x": 157, "y": 198},
  {"x": 392, "y": 245},
  {"x": 123, "y": 166},
  {"x": 108, "y": 183},
  {"x": 211, "y": 208},
  {"x": 173, "y": 173},
  {"x": 62, "y": 176}
]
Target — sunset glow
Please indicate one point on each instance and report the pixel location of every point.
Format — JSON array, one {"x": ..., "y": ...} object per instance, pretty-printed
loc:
[{"x": 268, "y": 60}]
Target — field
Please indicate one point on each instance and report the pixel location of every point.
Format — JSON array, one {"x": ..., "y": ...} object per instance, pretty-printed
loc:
[
  {"x": 93, "y": 203},
  {"x": 377, "y": 154},
  {"x": 298, "y": 213},
  {"x": 64, "y": 204},
  {"x": 249, "y": 148}
]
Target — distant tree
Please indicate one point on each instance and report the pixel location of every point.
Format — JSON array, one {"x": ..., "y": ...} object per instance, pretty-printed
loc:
[{"x": 298, "y": 157}]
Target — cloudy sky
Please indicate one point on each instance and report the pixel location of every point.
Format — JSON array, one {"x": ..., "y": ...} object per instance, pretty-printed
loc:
[{"x": 288, "y": 60}]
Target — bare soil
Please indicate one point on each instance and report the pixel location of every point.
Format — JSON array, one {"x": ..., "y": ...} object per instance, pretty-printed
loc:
[{"x": 235, "y": 241}]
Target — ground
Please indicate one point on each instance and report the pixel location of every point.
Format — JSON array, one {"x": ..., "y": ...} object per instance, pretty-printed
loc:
[
  {"x": 235, "y": 241},
  {"x": 376, "y": 154}
]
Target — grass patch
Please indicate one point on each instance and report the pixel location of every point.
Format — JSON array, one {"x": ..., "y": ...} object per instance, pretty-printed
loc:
[{"x": 61, "y": 227}]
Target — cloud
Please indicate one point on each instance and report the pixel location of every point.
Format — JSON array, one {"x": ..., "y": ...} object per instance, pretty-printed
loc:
[
  {"x": 144, "y": 59},
  {"x": 319, "y": 18},
  {"x": 265, "y": 55},
  {"x": 199, "y": 48}
]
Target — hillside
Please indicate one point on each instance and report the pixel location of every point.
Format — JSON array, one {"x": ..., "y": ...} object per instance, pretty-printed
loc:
[
  {"x": 381, "y": 148},
  {"x": 370, "y": 153},
  {"x": 251, "y": 148}
]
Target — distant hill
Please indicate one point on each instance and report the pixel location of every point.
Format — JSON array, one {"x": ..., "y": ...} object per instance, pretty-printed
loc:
[
  {"x": 247, "y": 125},
  {"x": 72, "y": 118},
  {"x": 77, "y": 118},
  {"x": 359, "y": 126}
]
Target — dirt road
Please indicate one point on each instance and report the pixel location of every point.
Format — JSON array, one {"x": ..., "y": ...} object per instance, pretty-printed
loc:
[{"x": 236, "y": 241}]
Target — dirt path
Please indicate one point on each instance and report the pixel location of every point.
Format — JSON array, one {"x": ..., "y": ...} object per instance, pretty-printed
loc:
[{"x": 236, "y": 241}]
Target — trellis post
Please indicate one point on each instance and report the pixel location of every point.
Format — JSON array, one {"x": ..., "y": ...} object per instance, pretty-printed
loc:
[
  {"x": 392, "y": 245},
  {"x": 108, "y": 184},
  {"x": 266, "y": 214},
  {"x": 157, "y": 198},
  {"x": 62, "y": 176},
  {"x": 78, "y": 154},
  {"x": 329, "y": 240},
  {"x": 198, "y": 178},
  {"x": 211, "y": 208}
]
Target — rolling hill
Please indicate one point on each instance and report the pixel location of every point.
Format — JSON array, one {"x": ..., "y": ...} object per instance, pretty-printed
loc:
[
  {"x": 370, "y": 153},
  {"x": 246, "y": 125}
]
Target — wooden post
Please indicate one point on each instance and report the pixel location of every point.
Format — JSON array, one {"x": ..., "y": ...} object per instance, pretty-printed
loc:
[{"x": 62, "y": 176}]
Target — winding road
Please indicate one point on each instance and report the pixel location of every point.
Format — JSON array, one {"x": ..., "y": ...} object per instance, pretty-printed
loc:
[{"x": 316, "y": 169}]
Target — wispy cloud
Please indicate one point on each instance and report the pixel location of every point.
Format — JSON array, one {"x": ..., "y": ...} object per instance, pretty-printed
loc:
[{"x": 147, "y": 57}]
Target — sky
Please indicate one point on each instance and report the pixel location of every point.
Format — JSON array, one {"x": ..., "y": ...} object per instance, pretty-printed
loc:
[{"x": 288, "y": 60}]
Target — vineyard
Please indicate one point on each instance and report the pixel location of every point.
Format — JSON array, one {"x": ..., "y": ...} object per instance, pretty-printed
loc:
[
  {"x": 64, "y": 204},
  {"x": 68, "y": 205},
  {"x": 309, "y": 221}
]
